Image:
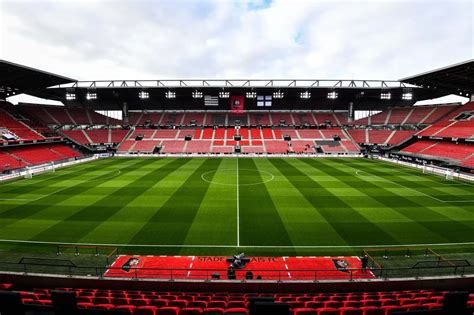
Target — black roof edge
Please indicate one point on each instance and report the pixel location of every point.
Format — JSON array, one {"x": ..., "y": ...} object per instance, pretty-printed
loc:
[
  {"x": 437, "y": 70},
  {"x": 37, "y": 70}
]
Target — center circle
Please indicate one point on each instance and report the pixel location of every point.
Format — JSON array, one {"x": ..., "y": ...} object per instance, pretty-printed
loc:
[{"x": 230, "y": 177}]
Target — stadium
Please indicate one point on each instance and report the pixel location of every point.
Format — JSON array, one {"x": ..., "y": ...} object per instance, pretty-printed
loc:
[{"x": 237, "y": 196}]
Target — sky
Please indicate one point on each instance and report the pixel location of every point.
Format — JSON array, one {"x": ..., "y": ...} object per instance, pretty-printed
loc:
[{"x": 230, "y": 39}]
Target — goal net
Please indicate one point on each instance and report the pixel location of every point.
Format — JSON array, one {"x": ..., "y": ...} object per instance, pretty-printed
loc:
[
  {"x": 36, "y": 170},
  {"x": 447, "y": 173}
]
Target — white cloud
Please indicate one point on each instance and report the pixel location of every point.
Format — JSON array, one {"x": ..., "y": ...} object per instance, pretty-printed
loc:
[{"x": 147, "y": 39}]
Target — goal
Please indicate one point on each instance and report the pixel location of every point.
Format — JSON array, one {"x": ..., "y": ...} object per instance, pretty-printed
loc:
[
  {"x": 447, "y": 173},
  {"x": 35, "y": 170}
]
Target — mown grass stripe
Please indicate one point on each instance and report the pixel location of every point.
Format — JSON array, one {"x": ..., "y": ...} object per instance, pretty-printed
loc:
[
  {"x": 172, "y": 221},
  {"x": 39, "y": 182},
  {"x": 304, "y": 225},
  {"x": 25, "y": 210},
  {"x": 438, "y": 188},
  {"x": 436, "y": 181},
  {"x": 348, "y": 223},
  {"x": 446, "y": 227},
  {"x": 215, "y": 220},
  {"x": 82, "y": 222},
  {"x": 266, "y": 228},
  {"x": 441, "y": 188},
  {"x": 383, "y": 199}
]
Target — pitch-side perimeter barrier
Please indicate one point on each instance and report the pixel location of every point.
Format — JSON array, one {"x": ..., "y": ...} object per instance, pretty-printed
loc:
[
  {"x": 263, "y": 269},
  {"x": 239, "y": 155},
  {"x": 442, "y": 171},
  {"x": 416, "y": 261},
  {"x": 37, "y": 169}
]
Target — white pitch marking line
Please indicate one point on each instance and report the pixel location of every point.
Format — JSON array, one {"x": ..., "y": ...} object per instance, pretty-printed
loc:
[
  {"x": 388, "y": 180},
  {"x": 190, "y": 266},
  {"x": 238, "y": 206},
  {"x": 232, "y": 246},
  {"x": 203, "y": 177}
]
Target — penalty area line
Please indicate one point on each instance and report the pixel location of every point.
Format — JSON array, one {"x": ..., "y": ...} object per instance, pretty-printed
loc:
[
  {"x": 233, "y": 246},
  {"x": 415, "y": 190}
]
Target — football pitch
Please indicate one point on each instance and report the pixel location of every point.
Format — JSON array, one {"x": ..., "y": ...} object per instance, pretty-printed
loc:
[{"x": 261, "y": 206}]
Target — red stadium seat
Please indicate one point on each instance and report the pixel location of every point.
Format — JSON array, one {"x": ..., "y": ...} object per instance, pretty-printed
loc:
[
  {"x": 145, "y": 310},
  {"x": 120, "y": 301},
  {"x": 129, "y": 308},
  {"x": 85, "y": 305},
  {"x": 372, "y": 310},
  {"x": 415, "y": 307},
  {"x": 167, "y": 311},
  {"x": 355, "y": 304},
  {"x": 139, "y": 302},
  {"x": 158, "y": 303},
  {"x": 213, "y": 311},
  {"x": 391, "y": 309},
  {"x": 202, "y": 298},
  {"x": 198, "y": 304},
  {"x": 220, "y": 298},
  {"x": 434, "y": 306},
  {"x": 389, "y": 302},
  {"x": 334, "y": 304},
  {"x": 178, "y": 303},
  {"x": 101, "y": 300},
  {"x": 5, "y": 286},
  {"x": 190, "y": 311},
  {"x": 236, "y": 311},
  {"x": 376, "y": 303},
  {"x": 103, "y": 306},
  {"x": 350, "y": 311},
  {"x": 236, "y": 304},
  {"x": 314, "y": 304},
  {"x": 217, "y": 304},
  {"x": 304, "y": 311},
  {"x": 328, "y": 311}
]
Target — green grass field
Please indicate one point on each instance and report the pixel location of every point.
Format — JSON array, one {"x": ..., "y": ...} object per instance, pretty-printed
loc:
[{"x": 293, "y": 206}]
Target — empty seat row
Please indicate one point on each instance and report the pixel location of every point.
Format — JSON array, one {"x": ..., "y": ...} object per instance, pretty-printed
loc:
[{"x": 207, "y": 303}]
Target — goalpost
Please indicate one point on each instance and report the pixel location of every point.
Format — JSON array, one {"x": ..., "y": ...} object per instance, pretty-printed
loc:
[
  {"x": 447, "y": 173},
  {"x": 32, "y": 170}
]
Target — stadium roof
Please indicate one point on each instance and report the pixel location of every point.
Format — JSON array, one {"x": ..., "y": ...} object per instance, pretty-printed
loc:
[
  {"x": 113, "y": 94},
  {"x": 365, "y": 94},
  {"x": 454, "y": 79},
  {"x": 16, "y": 79}
]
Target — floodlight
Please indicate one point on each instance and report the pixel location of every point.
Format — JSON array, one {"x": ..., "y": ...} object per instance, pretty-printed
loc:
[
  {"x": 224, "y": 94},
  {"x": 143, "y": 95},
  {"x": 197, "y": 94},
  {"x": 70, "y": 96},
  {"x": 332, "y": 95},
  {"x": 170, "y": 94},
  {"x": 407, "y": 96},
  {"x": 278, "y": 94},
  {"x": 305, "y": 94},
  {"x": 385, "y": 95},
  {"x": 91, "y": 96},
  {"x": 251, "y": 94}
]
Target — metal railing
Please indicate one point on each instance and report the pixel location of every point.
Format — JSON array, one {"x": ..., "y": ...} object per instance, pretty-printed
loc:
[{"x": 457, "y": 268}]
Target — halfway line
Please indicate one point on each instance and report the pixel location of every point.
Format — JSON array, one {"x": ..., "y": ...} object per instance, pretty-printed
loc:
[{"x": 238, "y": 206}]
